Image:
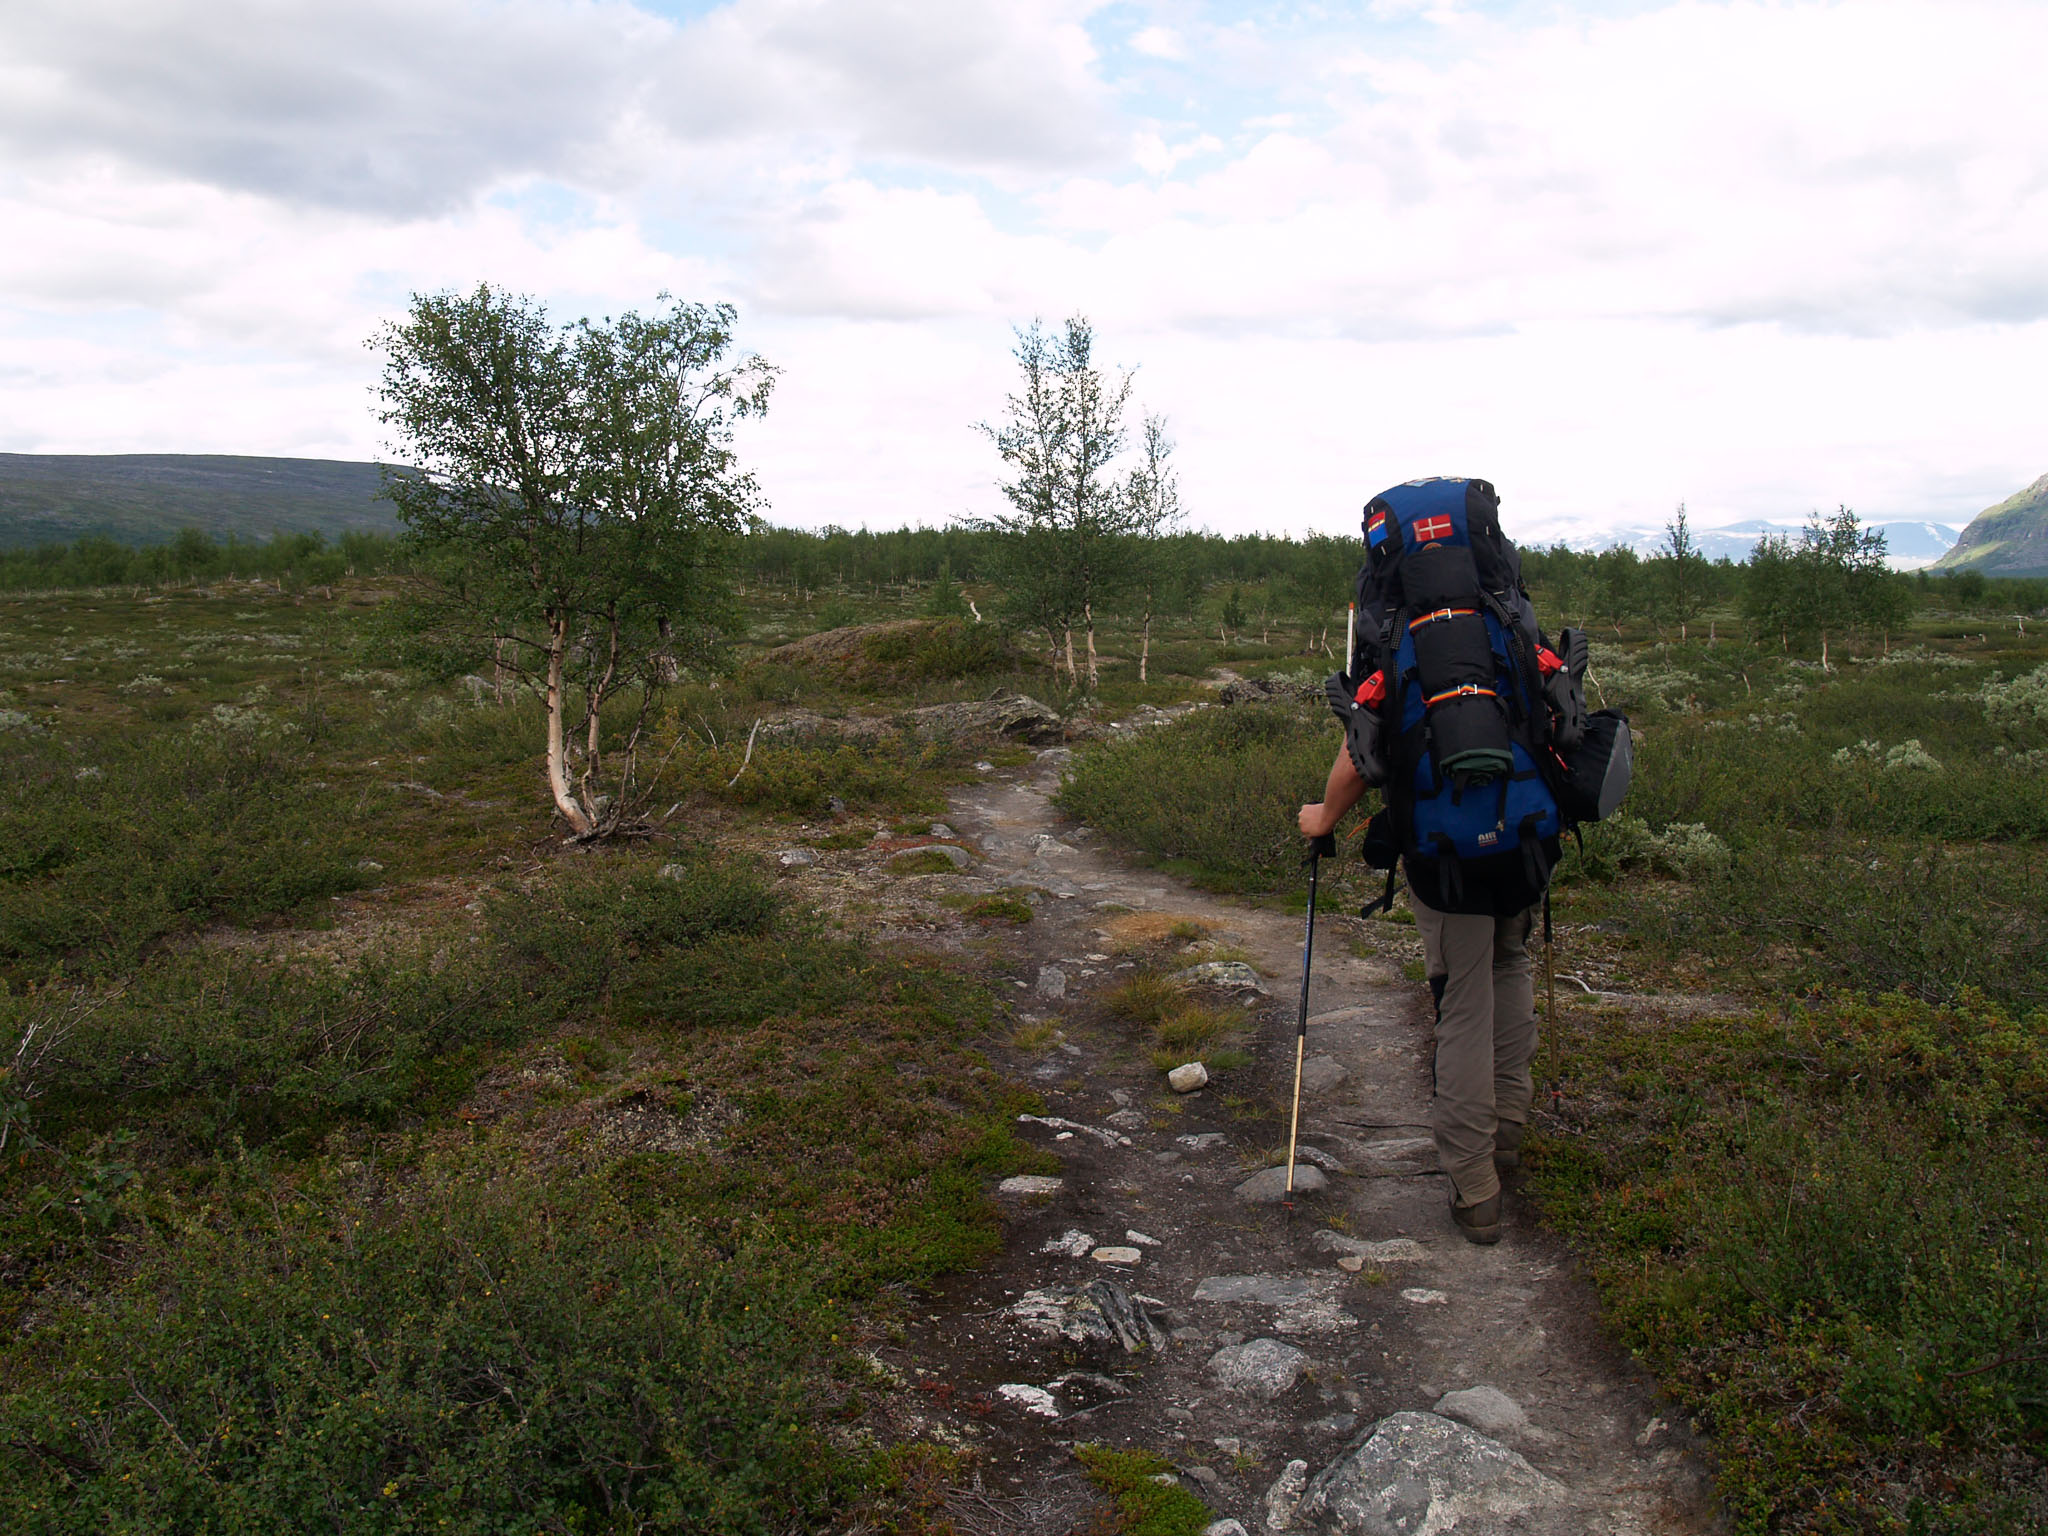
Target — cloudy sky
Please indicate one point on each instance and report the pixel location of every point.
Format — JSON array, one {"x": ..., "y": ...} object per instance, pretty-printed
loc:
[{"x": 1757, "y": 257}]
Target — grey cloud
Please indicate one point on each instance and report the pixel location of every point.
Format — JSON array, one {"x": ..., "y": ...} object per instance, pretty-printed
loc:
[
  {"x": 970, "y": 85},
  {"x": 372, "y": 104},
  {"x": 411, "y": 108}
]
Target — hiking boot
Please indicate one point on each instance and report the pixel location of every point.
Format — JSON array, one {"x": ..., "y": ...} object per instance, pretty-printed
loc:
[
  {"x": 1507, "y": 1143},
  {"x": 1479, "y": 1223}
]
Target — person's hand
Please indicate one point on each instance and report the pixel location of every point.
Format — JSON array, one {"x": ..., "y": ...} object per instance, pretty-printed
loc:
[{"x": 1316, "y": 820}]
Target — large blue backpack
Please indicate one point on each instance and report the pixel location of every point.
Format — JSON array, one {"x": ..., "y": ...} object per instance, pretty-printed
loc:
[{"x": 1467, "y": 753}]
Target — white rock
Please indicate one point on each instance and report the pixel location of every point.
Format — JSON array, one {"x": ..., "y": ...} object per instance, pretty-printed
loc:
[
  {"x": 372, "y": 867},
  {"x": 1329, "y": 1162},
  {"x": 1234, "y": 974},
  {"x": 1031, "y": 1399},
  {"x": 1202, "y": 1141},
  {"x": 1140, "y": 1239},
  {"x": 1269, "y": 1186},
  {"x": 940, "y": 829},
  {"x": 984, "y": 767},
  {"x": 1128, "y": 1119},
  {"x": 1225, "y": 1528},
  {"x": 1073, "y": 1243},
  {"x": 1486, "y": 1409},
  {"x": 1418, "y": 1472},
  {"x": 1187, "y": 1077},
  {"x": 675, "y": 872},
  {"x": 1318, "y": 1315},
  {"x": 1423, "y": 1296},
  {"x": 1052, "y": 982},
  {"x": 1030, "y": 1184},
  {"x": 796, "y": 858},
  {"x": 1259, "y": 1368},
  {"x": 1116, "y": 1256},
  {"x": 1285, "y": 1494}
]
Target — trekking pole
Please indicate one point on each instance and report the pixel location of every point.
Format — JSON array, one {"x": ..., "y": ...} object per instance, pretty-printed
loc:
[
  {"x": 1350, "y": 637},
  {"x": 1318, "y": 848}
]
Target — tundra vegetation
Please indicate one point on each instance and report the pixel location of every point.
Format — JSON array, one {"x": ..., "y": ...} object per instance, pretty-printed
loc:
[{"x": 384, "y": 1151}]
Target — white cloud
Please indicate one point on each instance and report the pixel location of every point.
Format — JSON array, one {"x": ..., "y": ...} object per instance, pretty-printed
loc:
[
  {"x": 1755, "y": 256},
  {"x": 1159, "y": 43}
]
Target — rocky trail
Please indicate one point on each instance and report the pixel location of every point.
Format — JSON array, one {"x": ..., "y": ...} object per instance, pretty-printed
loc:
[{"x": 1351, "y": 1366}]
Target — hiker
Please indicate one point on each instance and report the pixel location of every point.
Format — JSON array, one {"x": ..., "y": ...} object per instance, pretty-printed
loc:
[{"x": 1456, "y": 707}]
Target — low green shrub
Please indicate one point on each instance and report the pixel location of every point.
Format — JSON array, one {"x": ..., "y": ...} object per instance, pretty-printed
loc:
[
  {"x": 1214, "y": 793},
  {"x": 476, "y": 1352},
  {"x": 105, "y": 850},
  {"x": 1827, "y": 1236},
  {"x": 1142, "y": 1505}
]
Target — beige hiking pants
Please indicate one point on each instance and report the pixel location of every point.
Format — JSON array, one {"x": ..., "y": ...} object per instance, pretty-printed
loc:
[{"x": 1485, "y": 1037}]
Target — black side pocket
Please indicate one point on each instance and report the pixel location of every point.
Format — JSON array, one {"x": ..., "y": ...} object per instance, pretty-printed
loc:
[
  {"x": 1468, "y": 733},
  {"x": 1439, "y": 576},
  {"x": 1452, "y": 652}
]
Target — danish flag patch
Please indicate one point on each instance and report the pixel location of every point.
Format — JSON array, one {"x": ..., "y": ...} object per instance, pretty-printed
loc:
[{"x": 1430, "y": 529}]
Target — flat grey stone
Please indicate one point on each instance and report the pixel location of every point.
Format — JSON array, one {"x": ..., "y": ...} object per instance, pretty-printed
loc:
[
  {"x": 1128, "y": 1119},
  {"x": 1052, "y": 982},
  {"x": 1225, "y": 1528},
  {"x": 1201, "y": 1141},
  {"x": 1332, "y": 1424},
  {"x": 1391, "y": 1250},
  {"x": 1264, "y": 1290},
  {"x": 959, "y": 856},
  {"x": 1234, "y": 974},
  {"x": 1260, "y": 1368},
  {"x": 940, "y": 829},
  {"x": 1319, "y": 1074},
  {"x": 1486, "y": 1409},
  {"x": 1116, "y": 1255},
  {"x": 1072, "y": 1243},
  {"x": 1030, "y": 1184},
  {"x": 1187, "y": 1077},
  {"x": 1413, "y": 1472},
  {"x": 1329, "y": 1162},
  {"x": 1269, "y": 1186},
  {"x": 790, "y": 858}
]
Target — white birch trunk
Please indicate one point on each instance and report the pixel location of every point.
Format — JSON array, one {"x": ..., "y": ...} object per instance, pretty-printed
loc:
[
  {"x": 558, "y": 753},
  {"x": 1145, "y": 647},
  {"x": 1094, "y": 677}
]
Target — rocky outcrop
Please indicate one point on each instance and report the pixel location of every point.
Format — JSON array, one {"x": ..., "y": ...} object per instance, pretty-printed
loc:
[{"x": 1417, "y": 1472}]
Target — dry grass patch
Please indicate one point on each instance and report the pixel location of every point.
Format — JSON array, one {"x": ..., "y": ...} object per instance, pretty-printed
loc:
[{"x": 1141, "y": 930}]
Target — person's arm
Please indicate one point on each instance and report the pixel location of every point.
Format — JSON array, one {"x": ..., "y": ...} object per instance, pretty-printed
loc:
[{"x": 1344, "y": 790}]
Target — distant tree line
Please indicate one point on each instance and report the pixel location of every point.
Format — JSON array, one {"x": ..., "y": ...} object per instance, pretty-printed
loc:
[
  {"x": 1289, "y": 581},
  {"x": 194, "y": 557}
]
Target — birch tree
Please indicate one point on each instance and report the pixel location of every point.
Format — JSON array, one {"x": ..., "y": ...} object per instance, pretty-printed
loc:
[
  {"x": 579, "y": 492},
  {"x": 1071, "y": 515}
]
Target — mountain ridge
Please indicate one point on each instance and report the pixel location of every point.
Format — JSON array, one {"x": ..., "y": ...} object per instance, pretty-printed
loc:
[
  {"x": 146, "y": 498},
  {"x": 2010, "y": 539}
]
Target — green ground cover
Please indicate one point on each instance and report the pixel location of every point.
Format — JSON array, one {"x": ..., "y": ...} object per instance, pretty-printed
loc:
[
  {"x": 1815, "y": 1211},
  {"x": 547, "y": 1191}
]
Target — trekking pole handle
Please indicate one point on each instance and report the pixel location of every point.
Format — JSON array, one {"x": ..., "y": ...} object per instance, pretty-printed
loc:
[{"x": 1323, "y": 847}]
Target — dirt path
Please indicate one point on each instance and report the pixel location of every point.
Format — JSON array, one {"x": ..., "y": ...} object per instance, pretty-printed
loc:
[{"x": 1013, "y": 1361}]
